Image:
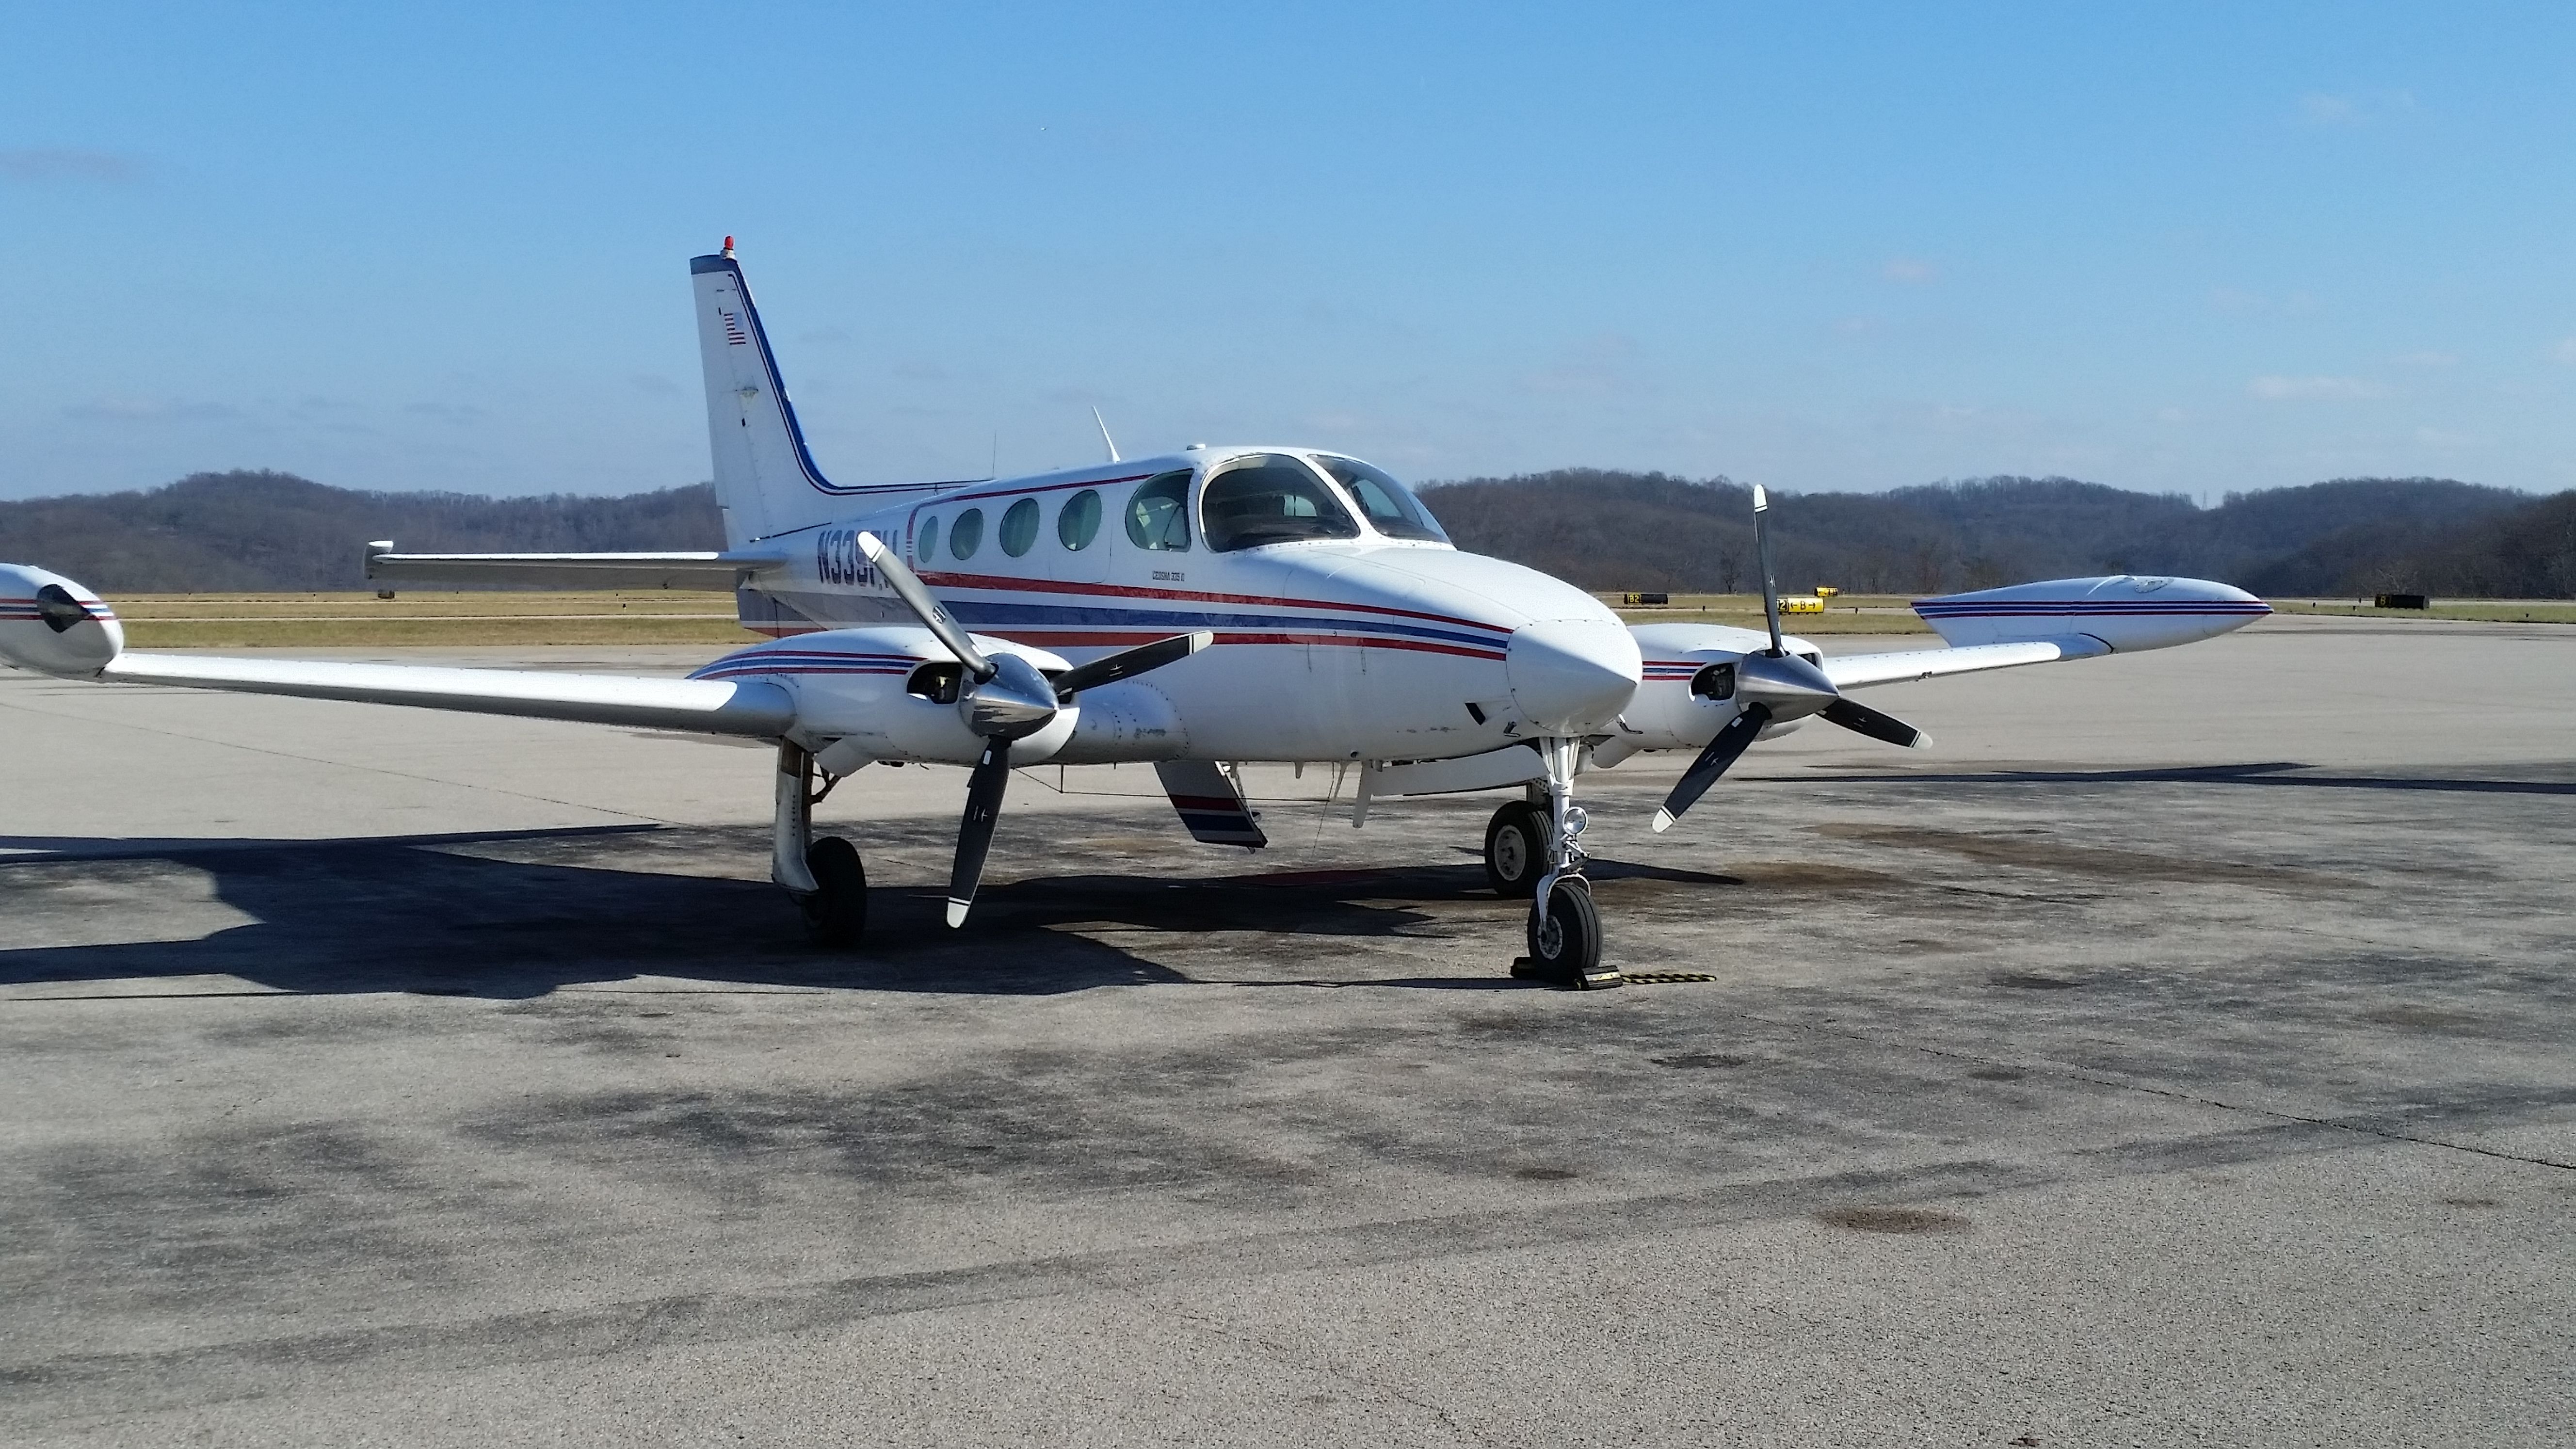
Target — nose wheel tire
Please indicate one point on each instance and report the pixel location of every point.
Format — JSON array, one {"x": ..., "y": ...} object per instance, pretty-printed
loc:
[
  {"x": 1567, "y": 949},
  {"x": 836, "y": 914},
  {"x": 1516, "y": 850}
]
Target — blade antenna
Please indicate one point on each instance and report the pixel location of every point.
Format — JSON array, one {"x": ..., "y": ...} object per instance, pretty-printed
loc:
[
  {"x": 1106, "y": 441},
  {"x": 1770, "y": 584}
]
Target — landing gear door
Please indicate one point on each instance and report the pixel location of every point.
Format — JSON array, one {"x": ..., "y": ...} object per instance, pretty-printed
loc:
[{"x": 1210, "y": 803}]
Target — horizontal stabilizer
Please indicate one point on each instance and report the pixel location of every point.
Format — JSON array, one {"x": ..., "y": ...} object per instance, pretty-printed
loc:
[{"x": 566, "y": 570}]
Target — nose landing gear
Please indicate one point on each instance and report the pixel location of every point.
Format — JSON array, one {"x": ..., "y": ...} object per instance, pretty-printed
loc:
[{"x": 1564, "y": 926}]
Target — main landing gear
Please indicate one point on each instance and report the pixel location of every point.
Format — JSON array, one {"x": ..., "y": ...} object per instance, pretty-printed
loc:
[
  {"x": 824, "y": 876},
  {"x": 1533, "y": 849}
]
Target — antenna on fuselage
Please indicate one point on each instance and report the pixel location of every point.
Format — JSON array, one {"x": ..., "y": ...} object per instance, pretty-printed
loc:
[{"x": 1106, "y": 441}]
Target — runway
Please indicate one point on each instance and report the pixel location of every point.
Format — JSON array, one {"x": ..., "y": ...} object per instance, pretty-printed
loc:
[{"x": 2178, "y": 1052}]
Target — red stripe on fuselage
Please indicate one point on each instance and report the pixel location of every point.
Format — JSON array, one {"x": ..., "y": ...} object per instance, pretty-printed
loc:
[{"x": 1000, "y": 583}]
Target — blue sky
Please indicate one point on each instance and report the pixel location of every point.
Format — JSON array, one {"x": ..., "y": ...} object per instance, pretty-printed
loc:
[{"x": 2171, "y": 247}]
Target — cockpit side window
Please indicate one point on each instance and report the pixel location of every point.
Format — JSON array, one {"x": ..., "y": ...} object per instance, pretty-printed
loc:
[
  {"x": 1158, "y": 512},
  {"x": 1391, "y": 507},
  {"x": 1270, "y": 498}
]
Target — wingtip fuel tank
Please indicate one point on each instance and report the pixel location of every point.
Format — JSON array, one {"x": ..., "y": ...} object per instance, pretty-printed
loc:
[
  {"x": 2127, "y": 612},
  {"x": 53, "y": 625}
]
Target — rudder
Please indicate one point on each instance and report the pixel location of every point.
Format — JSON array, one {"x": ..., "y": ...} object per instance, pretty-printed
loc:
[{"x": 765, "y": 479}]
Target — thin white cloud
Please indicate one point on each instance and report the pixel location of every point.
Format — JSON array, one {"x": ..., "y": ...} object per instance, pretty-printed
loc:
[
  {"x": 2282, "y": 388},
  {"x": 1910, "y": 270},
  {"x": 2427, "y": 359},
  {"x": 2565, "y": 351},
  {"x": 148, "y": 410},
  {"x": 1601, "y": 365},
  {"x": 38, "y": 166},
  {"x": 2318, "y": 108}
]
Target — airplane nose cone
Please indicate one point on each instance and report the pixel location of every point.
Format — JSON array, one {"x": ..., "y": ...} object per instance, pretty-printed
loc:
[{"x": 1573, "y": 676}]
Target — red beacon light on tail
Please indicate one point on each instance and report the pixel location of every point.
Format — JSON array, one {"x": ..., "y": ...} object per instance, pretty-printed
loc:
[{"x": 728, "y": 246}]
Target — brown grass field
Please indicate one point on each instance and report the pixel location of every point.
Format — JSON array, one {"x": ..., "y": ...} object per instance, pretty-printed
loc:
[{"x": 333, "y": 620}]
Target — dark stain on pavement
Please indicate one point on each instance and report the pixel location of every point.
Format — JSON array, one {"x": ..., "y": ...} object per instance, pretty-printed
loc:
[{"x": 1898, "y": 1220}]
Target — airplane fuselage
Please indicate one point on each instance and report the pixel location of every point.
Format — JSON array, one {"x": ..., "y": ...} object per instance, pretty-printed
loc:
[{"x": 1363, "y": 647}]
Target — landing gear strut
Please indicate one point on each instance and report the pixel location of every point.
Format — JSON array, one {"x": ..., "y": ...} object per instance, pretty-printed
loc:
[
  {"x": 824, "y": 876},
  {"x": 1564, "y": 927}
]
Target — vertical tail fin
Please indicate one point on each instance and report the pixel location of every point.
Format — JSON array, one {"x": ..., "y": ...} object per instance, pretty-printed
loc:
[{"x": 766, "y": 481}]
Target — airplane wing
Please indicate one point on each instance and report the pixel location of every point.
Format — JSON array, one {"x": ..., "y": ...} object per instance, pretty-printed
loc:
[
  {"x": 707, "y": 706},
  {"x": 1856, "y": 671},
  {"x": 54, "y": 626}
]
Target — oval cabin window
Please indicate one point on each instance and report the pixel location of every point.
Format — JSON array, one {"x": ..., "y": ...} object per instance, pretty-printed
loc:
[
  {"x": 1078, "y": 523},
  {"x": 1019, "y": 527}
]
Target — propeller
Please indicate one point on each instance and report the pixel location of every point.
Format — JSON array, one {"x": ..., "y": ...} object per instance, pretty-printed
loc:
[
  {"x": 1004, "y": 698},
  {"x": 1775, "y": 685}
]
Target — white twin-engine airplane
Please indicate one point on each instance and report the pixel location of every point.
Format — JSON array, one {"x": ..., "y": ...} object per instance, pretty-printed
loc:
[{"x": 1193, "y": 611}]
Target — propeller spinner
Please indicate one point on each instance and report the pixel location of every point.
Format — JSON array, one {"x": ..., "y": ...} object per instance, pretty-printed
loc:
[
  {"x": 1775, "y": 685},
  {"x": 1004, "y": 698}
]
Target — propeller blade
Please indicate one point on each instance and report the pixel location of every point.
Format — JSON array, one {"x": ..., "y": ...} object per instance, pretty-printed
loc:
[
  {"x": 975, "y": 833},
  {"x": 1861, "y": 719},
  {"x": 1128, "y": 663},
  {"x": 1770, "y": 583},
  {"x": 908, "y": 587},
  {"x": 1712, "y": 762}
]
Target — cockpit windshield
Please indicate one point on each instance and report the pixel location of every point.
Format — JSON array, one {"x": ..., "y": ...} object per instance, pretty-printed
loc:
[
  {"x": 1269, "y": 498},
  {"x": 1391, "y": 507}
]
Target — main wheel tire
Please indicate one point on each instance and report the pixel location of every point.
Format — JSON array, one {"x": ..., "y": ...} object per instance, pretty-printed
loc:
[
  {"x": 1516, "y": 850},
  {"x": 1568, "y": 948},
  {"x": 837, "y": 914}
]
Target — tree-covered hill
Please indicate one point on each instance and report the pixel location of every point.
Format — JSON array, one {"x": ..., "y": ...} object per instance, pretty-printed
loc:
[
  {"x": 1607, "y": 530},
  {"x": 259, "y": 530},
  {"x": 2352, "y": 536}
]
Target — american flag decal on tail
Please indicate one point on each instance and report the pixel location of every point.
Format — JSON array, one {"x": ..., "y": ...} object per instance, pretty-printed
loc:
[{"x": 733, "y": 328}]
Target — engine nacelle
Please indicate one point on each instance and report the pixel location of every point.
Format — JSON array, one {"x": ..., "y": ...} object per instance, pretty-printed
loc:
[
  {"x": 889, "y": 692},
  {"x": 1685, "y": 697},
  {"x": 2125, "y": 611},
  {"x": 54, "y": 626}
]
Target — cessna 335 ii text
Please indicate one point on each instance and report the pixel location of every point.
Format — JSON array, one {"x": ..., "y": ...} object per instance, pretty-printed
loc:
[{"x": 1194, "y": 611}]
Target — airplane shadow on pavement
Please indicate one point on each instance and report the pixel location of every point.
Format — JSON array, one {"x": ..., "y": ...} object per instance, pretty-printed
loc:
[{"x": 523, "y": 913}]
